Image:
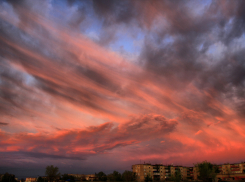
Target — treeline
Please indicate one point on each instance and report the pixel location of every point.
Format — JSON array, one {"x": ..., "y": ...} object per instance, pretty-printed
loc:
[
  {"x": 53, "y": 175},
  {"x": 206, "y": 172},
  {"x": 8, "y": 178},
  {"x": 116, "y": 176},
  {"x": 101, "y": 176}
]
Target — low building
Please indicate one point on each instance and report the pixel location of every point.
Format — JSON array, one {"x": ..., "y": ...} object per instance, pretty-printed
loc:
[
  {"x": 90, "y": 177},
  {"x": 83, "y": 177},
  {"x": 31, "y": 179}
]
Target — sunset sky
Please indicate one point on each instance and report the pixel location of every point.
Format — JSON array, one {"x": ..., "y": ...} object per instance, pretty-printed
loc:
[{"x": 91, "y": 86}]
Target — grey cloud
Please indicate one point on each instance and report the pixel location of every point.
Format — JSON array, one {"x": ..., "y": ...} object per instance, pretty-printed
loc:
[
  {"x": 25, "y": 154},
  {"x": 181, "y": 62}
]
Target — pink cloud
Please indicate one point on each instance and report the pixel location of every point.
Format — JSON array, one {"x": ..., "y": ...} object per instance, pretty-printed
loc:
[{"x": 198, "y": 132}]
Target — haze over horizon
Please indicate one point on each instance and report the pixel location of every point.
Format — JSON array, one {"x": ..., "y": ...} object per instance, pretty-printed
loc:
[{"x": 91, "y": 86}]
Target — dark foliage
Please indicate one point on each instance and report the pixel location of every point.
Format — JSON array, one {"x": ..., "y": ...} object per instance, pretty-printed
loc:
[
  {"x": 101, "y": 176},
  {"x": 52, "y": 173},
  {"x": 67, "y": 177},
  {"x": 40, "y": 179},
  {"x": 206, "y": 171},
  {"x": 148, "y": 178},
  {"x": 128, "y": 176},
  {"x": 8, "y": 178},
  {"x": 115, "y": 176}
]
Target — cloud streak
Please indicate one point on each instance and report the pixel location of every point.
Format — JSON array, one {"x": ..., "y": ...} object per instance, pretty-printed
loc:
[{"x": 90, "y": 141}]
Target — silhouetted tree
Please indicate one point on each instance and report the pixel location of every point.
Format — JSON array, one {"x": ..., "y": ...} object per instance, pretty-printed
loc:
[
  {"x": 115, "y": 176},
  {"x": 8, "y": 178},
  {"x": 129, "y": 176},
  {"x": 101, "y": 176},
  {"x": 148, "y": 178},
  {"x": 52, "y": 173},
  {"x": 67, "y": 177},
  {"x": 176, "y": 177},
  {"x": 40, "y": 179},
  {"x": 216, "y": 169},
  {"x": 206, "y": 171}
]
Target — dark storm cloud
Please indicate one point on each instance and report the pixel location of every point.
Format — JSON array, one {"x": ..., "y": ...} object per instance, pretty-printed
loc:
[
  {"x": 80, "y": 97},
  {"x": 25, "y": 154},
  {"x": 179, "y": 61},
  {"x": 33, "y": 64},
  {"x": 115, "y": 11},
  {"x": 13, "y": 102},
  {"x": 3, "y": 124},
  {"x": 233, "y": 15}
]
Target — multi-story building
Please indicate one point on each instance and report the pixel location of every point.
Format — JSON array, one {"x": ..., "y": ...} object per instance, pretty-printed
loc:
[
  {"x": 232, "y": 171},
  {"x": 168, "y": 171},
  {"x": 183, "y": 172},
  {"x": 158, "y": 172},
  {"x": 142, "y": 171},
  {"x": 195, "y": 173},
  {"x": 190, "y": 175}
]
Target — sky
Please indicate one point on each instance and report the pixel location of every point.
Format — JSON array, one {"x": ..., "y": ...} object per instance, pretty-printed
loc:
[{"x": 91, "y": 86}]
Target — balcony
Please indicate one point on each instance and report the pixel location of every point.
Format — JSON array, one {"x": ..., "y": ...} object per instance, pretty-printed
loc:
[
  {"x": 156, "y": 174},
  {"x": 236, "y": 169}
]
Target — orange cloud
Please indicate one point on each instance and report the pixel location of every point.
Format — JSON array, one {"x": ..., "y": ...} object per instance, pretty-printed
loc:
[{"x": 198, "y": 132}]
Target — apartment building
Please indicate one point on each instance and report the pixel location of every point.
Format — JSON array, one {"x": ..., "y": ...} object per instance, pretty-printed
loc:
[
  {"x": 142, "y": 171},
  {"x": 183, "y": 172},
  {"x": 158, "y": 172},
  {"x": 232, "y": 171},
  {"x": 189, "y": 175}
]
